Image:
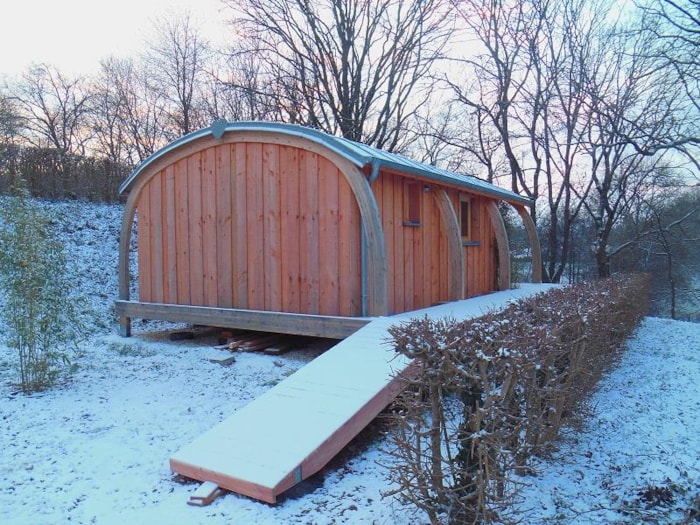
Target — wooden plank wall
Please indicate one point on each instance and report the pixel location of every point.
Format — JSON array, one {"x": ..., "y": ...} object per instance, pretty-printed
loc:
[
  {"x": 480, "y": 261},
  {"x": 251, "y": 225},
  {"x": 418, "y": 255}
]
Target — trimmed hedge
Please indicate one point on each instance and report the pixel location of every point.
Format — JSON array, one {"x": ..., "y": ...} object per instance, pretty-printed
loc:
[
  {"x": 488, "y": 393},
  {"x": 52, "y": 176}
]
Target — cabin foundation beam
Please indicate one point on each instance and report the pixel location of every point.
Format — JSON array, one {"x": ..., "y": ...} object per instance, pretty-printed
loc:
[{"x": 278, "y": 322}]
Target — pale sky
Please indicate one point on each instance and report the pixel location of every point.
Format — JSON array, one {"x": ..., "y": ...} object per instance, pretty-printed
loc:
[{"x": 74, "y": 35}]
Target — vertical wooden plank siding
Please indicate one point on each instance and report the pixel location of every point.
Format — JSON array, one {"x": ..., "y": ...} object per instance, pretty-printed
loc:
[
  {"x": 262, "y": 222},
  {"x": 327, "y": 235},
  {"x": 378, "y": 193},
  {"x": 349, "y": 264},
  {"x": 474, "y": 252},
  {"x": 156, "y": 237},
  {"x": 170, "y": 250},
  {"x": 194, "y": 203},
  {"x": 437, "y": 261},
  {"x": 240, "y": 225},
  {"x": 483, "y": 247},
  {"x": 480, "y": 267},
  {"x": 419, "y": 259},
  {"x": 499, "y": 246},
  {"x": 406, "y": 239},
  {"x": 144, "y": 244},
  {"x": 309, "y": 249},
  {"x": 210, "y": 243},
  {"x": 397, "y": 190},
  {"x": 452, "y": 243},
  {"x": 419, "y": 237},
  {"x": 224, "y": 228},
  {"x": 260, "y": 226},
  {"x": 490, "y": 255},
  {"x": 271, "y": 228},
  {"x": 388, "y": 222},
  {"x": 289, "y": 228},
  {"x": 255, "y": 227},
  {"x": 182, "y": 235}
]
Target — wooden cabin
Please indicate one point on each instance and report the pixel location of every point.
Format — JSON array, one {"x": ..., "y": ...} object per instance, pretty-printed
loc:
[{"x": 281, "y": 228}]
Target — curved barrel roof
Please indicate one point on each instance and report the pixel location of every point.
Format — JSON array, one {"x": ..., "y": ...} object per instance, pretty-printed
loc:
[{"x": 359, "y": 154}]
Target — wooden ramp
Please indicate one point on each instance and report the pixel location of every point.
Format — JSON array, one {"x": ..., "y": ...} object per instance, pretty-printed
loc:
[{"x": 294, "y": 429}]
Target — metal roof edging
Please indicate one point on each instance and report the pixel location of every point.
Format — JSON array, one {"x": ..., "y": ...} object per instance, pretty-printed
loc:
[
  {"x": 357, "y": 153},
  {"x": 217, "y": 129}
]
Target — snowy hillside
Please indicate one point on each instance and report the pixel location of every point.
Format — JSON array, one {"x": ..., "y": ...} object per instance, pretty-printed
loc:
[{"x": 95, "y": 449}]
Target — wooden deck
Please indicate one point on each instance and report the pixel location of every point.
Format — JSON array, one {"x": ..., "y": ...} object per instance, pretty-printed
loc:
[{"x": 294, "y": 429}]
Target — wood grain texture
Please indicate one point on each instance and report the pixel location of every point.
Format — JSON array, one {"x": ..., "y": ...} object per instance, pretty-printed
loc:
[
  {"x": 501, "y": 237},
  {"x": 224, "y": 227},
  {"x": 454, "y": 252},
  {"x": 534, "y": 240},
  {"x": 273, "y": 223},
  {"x": 334, "y": 327}
]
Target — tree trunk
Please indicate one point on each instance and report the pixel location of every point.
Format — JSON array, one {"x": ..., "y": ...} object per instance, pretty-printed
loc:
[{"x": 602, "y": 261}]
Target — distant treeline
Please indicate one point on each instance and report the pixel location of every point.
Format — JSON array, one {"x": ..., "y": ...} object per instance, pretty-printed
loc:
[{"x": 51, "y": 175}]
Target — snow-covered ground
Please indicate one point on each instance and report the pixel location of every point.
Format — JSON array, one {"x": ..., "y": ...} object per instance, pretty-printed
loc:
[{"x": 95, "y": 448}]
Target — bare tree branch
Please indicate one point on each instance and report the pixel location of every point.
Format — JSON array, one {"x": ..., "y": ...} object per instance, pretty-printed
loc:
[{"x": 350, "y": 68}]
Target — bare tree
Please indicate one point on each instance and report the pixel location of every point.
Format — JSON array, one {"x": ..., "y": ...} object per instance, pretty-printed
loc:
[
  {"x": 525, "y": 92},
  {"x": 237, "y": 90},
  {"x": 582, "y": 111},
  {"x": 661, "y": 237},
  {"x": 134, "y": 109},
  {"x": 54, "y": 110},
  {"x": 675, "y": 28},
  {"x": 442, "y": 134},
  {"x": 635, "y": 111},
  {"x": 177, "y": 58},
  {"x": 10, "y": 127},
  {"x": 559, "y": 116},
  {"x": 348, "y": 67},
  {"x": 110, "y": 137},
  {"x": 9, "y": 118},
  {"x": 498, "y": 69}
]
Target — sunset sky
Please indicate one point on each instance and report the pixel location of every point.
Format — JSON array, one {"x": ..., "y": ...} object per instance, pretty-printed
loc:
[{"x": 74, "y": 35}]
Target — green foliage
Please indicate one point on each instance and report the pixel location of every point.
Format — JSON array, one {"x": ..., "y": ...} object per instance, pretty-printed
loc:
[{"x": 41, "y": 319}]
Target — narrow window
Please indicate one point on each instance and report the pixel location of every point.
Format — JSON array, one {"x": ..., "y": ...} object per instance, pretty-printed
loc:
[
  {"x": 465, "y": 223},
  {"x": 411, "y": 204}
]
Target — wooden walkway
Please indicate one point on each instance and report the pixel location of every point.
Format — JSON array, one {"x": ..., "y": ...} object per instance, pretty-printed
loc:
[{"x": 294, "y": 429}]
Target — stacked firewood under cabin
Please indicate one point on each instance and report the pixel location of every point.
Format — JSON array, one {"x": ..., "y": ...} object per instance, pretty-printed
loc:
[
  {"x": 253, "y": 342},
  {"x": 246, "y": 341},
  {"x": 233, "y": 341}
]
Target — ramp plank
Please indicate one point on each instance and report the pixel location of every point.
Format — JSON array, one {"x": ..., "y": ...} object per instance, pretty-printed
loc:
[{"x": 294, "y": 429}]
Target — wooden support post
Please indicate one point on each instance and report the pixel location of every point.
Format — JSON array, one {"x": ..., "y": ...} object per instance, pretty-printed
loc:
[
  {"x": 454, "y": 245},
  {"x": 125, "y": 326},
  {"x": 205, "y": 494},
  {"x": 534, "y": 242},
  {"x": 502, "y": 243},
  {"x": 223, "y": 360}
]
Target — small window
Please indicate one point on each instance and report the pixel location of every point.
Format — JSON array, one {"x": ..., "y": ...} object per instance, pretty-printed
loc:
[
  {"x": 465, "y": 223},
  {"x": 411, "y": 204}
]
